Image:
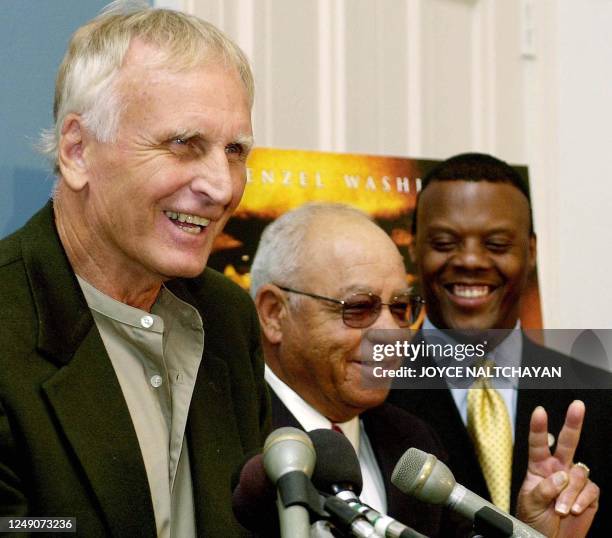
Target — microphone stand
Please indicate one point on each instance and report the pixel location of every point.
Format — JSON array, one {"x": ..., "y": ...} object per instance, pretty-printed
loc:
[{"x": 297, "y": 498}]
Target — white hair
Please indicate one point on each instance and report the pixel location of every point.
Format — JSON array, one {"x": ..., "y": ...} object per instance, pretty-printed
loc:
[
  {"x": 86, "y": 80},
  {"x": 283, "y": 247}
]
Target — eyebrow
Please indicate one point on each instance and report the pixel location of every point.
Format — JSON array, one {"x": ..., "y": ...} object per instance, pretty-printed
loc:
[
  {"x": 179, "y": 133},
  {"x": 362, "y": 289},
  {"x": 247, "y": 141},
  {"x": 444, "y": 228}
]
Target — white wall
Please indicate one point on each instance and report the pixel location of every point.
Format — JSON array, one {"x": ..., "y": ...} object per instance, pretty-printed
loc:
[
  {"x": 584, "y": 210},
  {"x": 526, "y": 80}
]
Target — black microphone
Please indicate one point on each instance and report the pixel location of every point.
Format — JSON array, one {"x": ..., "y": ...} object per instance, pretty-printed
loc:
[
  {"x": 337, "y": 467},
  {"x": 337, "y": 471},
  {"x": 421, "y": 475}
]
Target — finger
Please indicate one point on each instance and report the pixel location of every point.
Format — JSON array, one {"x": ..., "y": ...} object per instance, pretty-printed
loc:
[
  {"x": 547, "y": 490},
  {"x": 570, "y": 433},
  {"x": 588, "y": 498},
  {"x": 538, "y": 436},
  {"x": 567, "y": 498}
]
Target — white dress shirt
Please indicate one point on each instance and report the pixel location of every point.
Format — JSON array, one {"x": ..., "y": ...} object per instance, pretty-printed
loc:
[{"x": 373, "y": 493}]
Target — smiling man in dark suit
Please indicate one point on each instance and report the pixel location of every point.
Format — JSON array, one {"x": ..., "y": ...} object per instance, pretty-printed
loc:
[
  {"x": 474, "y": 249},
  {"x": 131, "y": 380},
  {"x": 308, "y": 261}
]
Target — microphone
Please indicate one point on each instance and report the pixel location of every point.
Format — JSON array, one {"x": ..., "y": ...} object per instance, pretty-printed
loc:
[
  {"x": 337, "y": 471},
  {"x": 253, "y": 498},
  {"x": 421, "y": 475},
  {"x": 289, "y": 459}
]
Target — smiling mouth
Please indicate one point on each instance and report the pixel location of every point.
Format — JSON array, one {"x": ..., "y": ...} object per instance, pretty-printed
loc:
[
  {"x": 471, "y": 291},
  {"x": 192, "y": 224}
]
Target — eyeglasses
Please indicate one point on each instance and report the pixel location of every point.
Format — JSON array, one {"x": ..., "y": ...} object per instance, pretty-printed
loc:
[{"x": 362, "y": 309}]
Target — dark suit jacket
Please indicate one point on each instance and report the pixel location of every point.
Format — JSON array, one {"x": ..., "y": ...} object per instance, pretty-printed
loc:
[
  {"x": 437, "y": 408},
  {"x": 67, "y": 443},
  {"x": 391, "y": 432}
]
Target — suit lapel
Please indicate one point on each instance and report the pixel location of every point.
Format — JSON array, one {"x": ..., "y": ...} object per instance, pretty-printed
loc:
[
  {"x": 214, "y": 447},
  {"x": 89, "y": 406},
  {"x": 84, "y": 394},
  {"x": 281, "y": 416},
  {"x": 388, "y": 446}
]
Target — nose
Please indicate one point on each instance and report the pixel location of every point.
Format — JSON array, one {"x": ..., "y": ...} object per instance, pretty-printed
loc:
[
  {"x": 213, "y": 177},
  {"x": 472, "y": 255}
]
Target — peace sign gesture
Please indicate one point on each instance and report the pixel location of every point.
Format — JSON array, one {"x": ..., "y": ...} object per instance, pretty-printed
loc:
[{"x": 557, "y": 498}]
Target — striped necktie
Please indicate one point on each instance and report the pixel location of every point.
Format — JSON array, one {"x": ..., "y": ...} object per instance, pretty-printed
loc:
[{"x": 491, "y": 432}]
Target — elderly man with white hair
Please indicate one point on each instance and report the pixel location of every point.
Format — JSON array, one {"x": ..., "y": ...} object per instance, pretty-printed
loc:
[{"x": 131, "y": 380}]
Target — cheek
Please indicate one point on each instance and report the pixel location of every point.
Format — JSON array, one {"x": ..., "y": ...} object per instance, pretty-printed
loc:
[
  {"x": 342, "y": 351},
  {"x": 516, "y": 271},
  {"x": 432, "y": 262},
  {"x": 238, "y": 186}
]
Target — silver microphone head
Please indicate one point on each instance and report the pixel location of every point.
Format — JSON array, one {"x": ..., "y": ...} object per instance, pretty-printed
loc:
[
  {"x": 421, "y": 475},
  {"x": 287, "y": 450}
]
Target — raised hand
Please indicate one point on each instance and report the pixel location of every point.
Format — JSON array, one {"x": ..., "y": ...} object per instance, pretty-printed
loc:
[{"x": 557, "y": 498}]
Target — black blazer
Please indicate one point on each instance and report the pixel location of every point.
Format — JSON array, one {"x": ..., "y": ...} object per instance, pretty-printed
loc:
[
  {"x": 67, "y": 443},
  {"x": 437, "y": 408},
  {"x": 391, "y": 432}
]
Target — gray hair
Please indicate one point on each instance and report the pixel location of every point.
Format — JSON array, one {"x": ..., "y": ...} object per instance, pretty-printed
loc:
[
  {"x": 86, "y": 80},
  {"x": 283, "y": 247}
]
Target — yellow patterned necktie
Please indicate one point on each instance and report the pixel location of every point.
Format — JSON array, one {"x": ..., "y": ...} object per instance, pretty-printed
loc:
[{"x": 491, "y": 432}]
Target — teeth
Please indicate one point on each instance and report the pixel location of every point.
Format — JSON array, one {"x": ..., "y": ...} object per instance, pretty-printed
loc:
[
  {"x": 189, "y": 219},
  {"x": 470, "y": 292},
  {"x": 195, "y": 230}
]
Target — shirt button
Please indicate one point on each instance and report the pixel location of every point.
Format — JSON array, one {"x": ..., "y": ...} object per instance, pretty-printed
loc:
[
  {"x": 146, "y": 321},
  {"x": 156, "y": 381}
]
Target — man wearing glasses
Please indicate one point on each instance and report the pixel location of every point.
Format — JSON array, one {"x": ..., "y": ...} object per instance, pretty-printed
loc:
[{"x": 323, "y": 274}]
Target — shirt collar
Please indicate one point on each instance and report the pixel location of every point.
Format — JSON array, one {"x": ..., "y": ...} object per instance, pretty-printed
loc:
[
  {"x": 308, "y": 416},
  {"x": 166, "y": 301},
  {"x": 507, "y": 353},
  {"x": 118, "y": 311}
]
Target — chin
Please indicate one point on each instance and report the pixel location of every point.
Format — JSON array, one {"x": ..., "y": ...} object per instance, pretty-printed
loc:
[
  {"x": 183, "y": 270},
  {"x": 468, "y": 325},
  {"x": 370, "y": 398}
]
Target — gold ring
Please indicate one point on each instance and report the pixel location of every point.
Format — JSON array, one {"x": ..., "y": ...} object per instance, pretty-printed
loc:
[{"x": 584, "y": 466}]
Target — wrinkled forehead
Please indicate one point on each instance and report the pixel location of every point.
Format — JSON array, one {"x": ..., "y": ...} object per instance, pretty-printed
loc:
[
  {"x": 147, "y": 71},
  {"x": 147, "y": 55}
]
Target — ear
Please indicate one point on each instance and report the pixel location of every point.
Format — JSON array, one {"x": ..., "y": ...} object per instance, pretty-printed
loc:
[
  {"x": 271, "y": 306},
  {"x": 533, "y": 251},
  {"x": 412, "y": 252},
  {"x": 72, "y": 165}
]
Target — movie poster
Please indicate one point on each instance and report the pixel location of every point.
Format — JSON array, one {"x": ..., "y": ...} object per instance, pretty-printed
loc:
[{"x": 384, "y": 187}]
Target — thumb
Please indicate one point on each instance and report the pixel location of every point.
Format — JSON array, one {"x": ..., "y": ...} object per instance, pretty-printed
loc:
[{"x": 540, "y": 497}]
